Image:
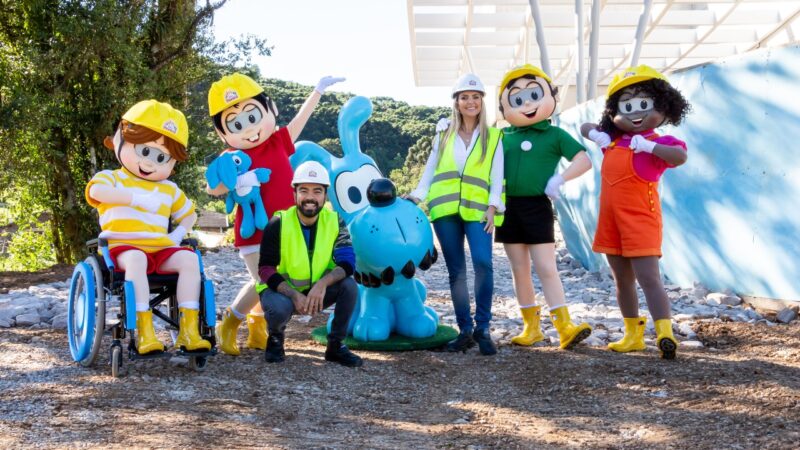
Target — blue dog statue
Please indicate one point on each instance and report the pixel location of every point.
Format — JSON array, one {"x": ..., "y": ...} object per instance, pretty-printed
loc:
[
  {"x": 390, "y": 298},
  {"x": 232, "y": 168}
]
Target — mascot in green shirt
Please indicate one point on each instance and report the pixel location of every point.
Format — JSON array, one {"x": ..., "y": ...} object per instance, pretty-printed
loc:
[{"x": 532, "y": 150}]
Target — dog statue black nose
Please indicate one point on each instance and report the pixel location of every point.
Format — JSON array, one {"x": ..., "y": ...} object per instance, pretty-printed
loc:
[{"x": 381, "y": 192}]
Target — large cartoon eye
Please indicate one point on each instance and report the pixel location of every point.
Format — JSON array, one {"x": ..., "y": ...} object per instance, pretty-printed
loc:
[
  {"x": 645, "y": 104},
  {"x": 253, "y": 116},
  {"x": 626, "y": 107},
  {"x": 153, "y": 154},
  {"x": 237, "y": 160},
  {"x": 351, "y": 187},
  {"x": 532, "y": 94}
]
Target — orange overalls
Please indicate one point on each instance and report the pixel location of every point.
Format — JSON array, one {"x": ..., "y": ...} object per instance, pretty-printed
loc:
[{"x": 630, "y": 211}]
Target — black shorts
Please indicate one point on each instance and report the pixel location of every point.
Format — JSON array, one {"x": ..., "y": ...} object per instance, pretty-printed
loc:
[{"x": 528, "y": 220}]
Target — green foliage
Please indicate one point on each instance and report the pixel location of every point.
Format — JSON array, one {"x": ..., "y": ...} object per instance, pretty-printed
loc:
[
  {"x": 70, "y": 69},
  {"x": 407, "y": 177},
  {"x": 394, "y": 127}
]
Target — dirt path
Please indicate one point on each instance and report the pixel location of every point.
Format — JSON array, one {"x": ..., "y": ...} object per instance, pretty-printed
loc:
[{"x": 742, "y": 391}]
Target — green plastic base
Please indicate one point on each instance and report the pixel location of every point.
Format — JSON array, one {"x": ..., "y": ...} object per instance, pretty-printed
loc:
[{"x": 395, "y": 343}]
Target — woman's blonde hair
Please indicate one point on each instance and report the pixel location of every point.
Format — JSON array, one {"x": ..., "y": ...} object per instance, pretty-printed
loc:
[{"x": 455, "y": 125}]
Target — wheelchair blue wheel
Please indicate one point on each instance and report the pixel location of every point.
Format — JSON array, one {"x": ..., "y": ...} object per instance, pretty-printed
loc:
[{"x": 86, "y": 312}]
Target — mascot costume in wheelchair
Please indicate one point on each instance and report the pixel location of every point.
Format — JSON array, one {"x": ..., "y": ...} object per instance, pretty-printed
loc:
[{"x": 136, "y": 205}]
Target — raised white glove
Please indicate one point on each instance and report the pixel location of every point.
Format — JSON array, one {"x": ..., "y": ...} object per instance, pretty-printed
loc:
[
  {"x": 176, "y": 236},
  {"x": 150, "y": 201},
  {"x": 601, "y": 138},
  {"x": 326, "y": 82},
  {"x": 640, "y": 144},
  {"x": 442, "y": 125},
  {"x": 246, "y": 180},
  {"x": 553, "y": 188}
]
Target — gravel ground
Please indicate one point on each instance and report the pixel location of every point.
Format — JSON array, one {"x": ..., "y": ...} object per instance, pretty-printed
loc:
[{"x": 735, "y": 384}]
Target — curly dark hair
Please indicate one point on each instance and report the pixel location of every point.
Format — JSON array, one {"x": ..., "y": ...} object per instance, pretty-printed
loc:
[{"x": 668, "y": 100}]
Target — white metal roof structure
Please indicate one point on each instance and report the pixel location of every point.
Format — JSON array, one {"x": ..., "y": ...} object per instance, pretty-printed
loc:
[{"x": 583, "y": 43}]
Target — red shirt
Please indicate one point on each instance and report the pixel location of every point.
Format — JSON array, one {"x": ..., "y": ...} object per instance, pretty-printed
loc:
[{"x": 277, "y": 193}]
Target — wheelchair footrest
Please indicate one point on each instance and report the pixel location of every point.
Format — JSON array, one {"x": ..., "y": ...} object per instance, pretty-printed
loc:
[
  {"x": 134, "y": 355},
  {"x": 183, "y": 352}
]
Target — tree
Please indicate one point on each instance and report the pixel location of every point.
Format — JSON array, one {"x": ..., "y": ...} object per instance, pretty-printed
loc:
[{"x": 70, "y": 70}]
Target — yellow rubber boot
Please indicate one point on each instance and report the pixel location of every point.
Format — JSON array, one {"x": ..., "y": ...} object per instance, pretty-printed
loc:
[
  {"x": 146, "y": 341},
  {"x": 257, "y": 329},
  {"x": 532, "y": 331},
  {"x": 665, "y": 340},
  {"x": 226, "y": 333},
  {"x": 568, "y": 333},
  {"x": 633, "y": 340},
  {"x": 189, "y": 332}
]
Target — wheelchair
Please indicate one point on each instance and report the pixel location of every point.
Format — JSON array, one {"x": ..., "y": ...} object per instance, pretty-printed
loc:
[{"x": 95, "y": 288}]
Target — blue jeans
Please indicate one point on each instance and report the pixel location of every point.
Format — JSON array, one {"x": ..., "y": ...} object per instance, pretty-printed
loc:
[{"x": 451, "y": 231}]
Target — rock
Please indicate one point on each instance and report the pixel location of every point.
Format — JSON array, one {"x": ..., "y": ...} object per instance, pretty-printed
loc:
[
  {"x": 787, "y": 315},
  {"x": 682, "y": 317},
  {"x": 720, "y": 298},
  {"x": 25, "y": 320},
  {"x": 699, "y": 290},
  {"x": 6, "y": 323},
  {"x": 59, "y": 322},
  {"x": 9, "y": 312},
  {"x": 692, "y": 344},
  {"x": 686, "y": 329},
  {"x": 593, "y": 341}
]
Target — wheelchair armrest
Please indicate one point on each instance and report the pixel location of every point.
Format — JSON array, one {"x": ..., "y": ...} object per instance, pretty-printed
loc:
[{"x": 191, "y": 242}]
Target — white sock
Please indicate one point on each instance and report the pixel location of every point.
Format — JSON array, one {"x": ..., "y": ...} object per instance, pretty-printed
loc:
[
  {"x": 527, "y": 306},
  {"x": 555, "y": 307},
  {"x": 189, "y": 305},
  {"x": 236, "y": 313},
  {"x": 258, "y": 314},
  {"x": 142, "y": 307}
]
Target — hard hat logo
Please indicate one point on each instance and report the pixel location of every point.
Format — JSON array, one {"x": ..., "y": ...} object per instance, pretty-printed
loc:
[
  {"x": 312, "y": 174},
  {"x": 231, "y": 95},
  {"x": 171, "y": 126},
  {"x": 629, "y": 74}
]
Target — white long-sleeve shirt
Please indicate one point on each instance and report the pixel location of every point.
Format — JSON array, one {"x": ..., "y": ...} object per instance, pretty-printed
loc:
[{"x": 461, "y": 153}]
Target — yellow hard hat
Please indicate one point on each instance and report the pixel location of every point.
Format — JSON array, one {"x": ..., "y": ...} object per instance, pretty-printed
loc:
[
  {"x": 229, "y": 90},
  {"x": 525, "y": 69},
  {"x": 633, "y": 75},
  {"x": 161, "y": 118}
]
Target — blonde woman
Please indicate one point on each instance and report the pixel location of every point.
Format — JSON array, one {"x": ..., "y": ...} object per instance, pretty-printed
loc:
[{"x": 463, "y": 183}]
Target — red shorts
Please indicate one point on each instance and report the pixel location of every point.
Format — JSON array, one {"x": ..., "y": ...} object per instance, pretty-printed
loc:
[{"x": 154, "y": 260}]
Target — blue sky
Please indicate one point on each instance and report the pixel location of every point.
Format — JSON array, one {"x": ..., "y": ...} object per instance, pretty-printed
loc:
[{"x": 366, "y": 41}]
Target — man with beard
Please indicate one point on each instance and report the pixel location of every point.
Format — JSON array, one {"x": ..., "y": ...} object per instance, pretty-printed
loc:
[{"x": 306, "y": 265}]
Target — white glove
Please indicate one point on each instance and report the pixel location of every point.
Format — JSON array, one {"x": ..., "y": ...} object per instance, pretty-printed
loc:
[
  {"x": 442, "y": 125},
  {"x": 150, "y": 201},
  {"x": 600, "y": 138},
  {"x": 640, "y": 144},
  {"x": 176, "y": 236},
  {"x": 326, "y": 82},
  {"x": 553, "y": 188},
  {"x": 246, "y": 180}
]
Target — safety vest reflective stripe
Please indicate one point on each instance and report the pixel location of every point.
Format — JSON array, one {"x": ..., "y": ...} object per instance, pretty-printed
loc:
[
  {"x": 483, "y": 184},
  {"x": 444, "y": 176},
  {"x": 295, "y": 266},
  {"x": 466, "y": 194},
  {"x": 442, "y": 199}
]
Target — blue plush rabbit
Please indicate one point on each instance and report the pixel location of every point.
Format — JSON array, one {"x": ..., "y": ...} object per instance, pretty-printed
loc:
[{"x": 232, "y": 169}]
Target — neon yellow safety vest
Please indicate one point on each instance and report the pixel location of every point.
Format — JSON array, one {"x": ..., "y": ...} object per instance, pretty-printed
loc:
[
  {"x": 296, "y": 267},
  {"x": 466, "y": 194}
]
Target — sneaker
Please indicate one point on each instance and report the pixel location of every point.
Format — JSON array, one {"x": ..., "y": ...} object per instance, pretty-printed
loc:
[
  {"x": 339, "y": 353},
  {"x": 485, "y": 343},
  {"x": 462, "y": 343},
  {"x": 274, "y": 352}
]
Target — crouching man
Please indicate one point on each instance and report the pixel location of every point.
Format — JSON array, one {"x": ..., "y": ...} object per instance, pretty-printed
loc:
[{"x": 306, "y": 265}]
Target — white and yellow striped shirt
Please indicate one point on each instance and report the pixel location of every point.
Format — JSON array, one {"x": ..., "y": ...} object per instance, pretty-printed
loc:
[{"x": 128, "y": 225}]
